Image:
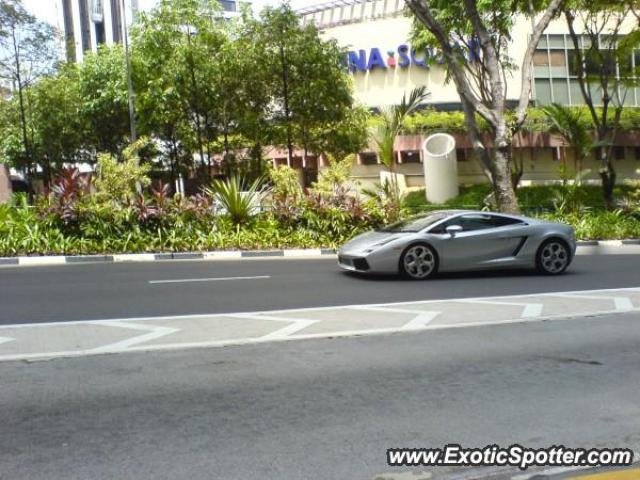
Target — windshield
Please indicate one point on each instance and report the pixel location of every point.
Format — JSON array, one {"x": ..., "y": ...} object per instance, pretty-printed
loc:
[{"x": 414, "y": 224}]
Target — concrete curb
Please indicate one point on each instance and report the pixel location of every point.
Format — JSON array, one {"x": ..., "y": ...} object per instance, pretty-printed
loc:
[
  {"x": 222, "y": 255},
  {"x": 152, "y": 257}
]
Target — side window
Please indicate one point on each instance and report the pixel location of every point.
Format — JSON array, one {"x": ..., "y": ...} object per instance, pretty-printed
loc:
[
  {"x": 442, "y": 228},
  {"x": 482, "y": 221},
  {"x": 477, "y": 221}
]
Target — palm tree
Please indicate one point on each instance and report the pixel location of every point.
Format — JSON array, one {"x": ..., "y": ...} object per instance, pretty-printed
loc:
[
  {"x": 391, "y": 122},
  {"x": 567, "y": 122}
]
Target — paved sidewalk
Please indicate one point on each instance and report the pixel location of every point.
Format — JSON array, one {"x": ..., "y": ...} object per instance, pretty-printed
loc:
[{"x": 51, "y": 340}]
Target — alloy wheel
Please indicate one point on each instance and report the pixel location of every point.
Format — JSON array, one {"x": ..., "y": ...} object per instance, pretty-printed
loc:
[
  {"x": 554, "y": 257},
  {"x": 419, "y": 262}
]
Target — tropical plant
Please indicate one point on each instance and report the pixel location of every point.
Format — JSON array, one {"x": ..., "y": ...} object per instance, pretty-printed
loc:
[
  {"x": 237, "y": 199},
  {"x": 568, "y": 122},
  {"x": 390, "y": 124},
  {"x": 335, "y": 176},
  {"x": 68, "y": 189},
  {"x": 119, "y": 183}
]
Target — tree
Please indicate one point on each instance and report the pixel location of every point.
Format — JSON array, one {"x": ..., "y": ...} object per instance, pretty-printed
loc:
[
  {"x": 60, "y": 131},
  {"x": 102, "y": 84},
  {"x": 185, "y": 36},
  {"x": 27, "y": 52},
  {"x": 311, "y": 91},
  {"x": 473, "y": 37},
  {"x": 159, "y": 105},
  {"x": 602, "y": 64}
]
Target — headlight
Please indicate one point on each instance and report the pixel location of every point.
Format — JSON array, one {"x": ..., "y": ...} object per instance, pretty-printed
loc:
[{"x": 375, "y": 246}]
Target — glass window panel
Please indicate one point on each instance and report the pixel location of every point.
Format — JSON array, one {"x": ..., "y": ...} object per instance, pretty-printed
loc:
[
  {"x": 541, "y": 63},
  {"x": 558, "y": 63},
  {"x": 596, "y": 94},
  {"x": 556, "y": 41},
  {"x": 543, "y": 91},
  {"x": 543, "y": 42},
  {"x": 627, "y": 94},
  {"x": 573, "y": 63},
  {"x": 576, "y": 93},
  {"x": 540, "y": 58},
  {"x": 561, "y": 92}
]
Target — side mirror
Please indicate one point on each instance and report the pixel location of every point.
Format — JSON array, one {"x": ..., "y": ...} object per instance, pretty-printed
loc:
[{"x": 453, "y": 230}]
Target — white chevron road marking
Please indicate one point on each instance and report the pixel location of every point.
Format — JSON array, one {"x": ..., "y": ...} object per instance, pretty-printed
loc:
[
  {"x": 531, "y": 310},
  {"x": 622, "y": 304},
  {"x": 153, "y": 332},
  {"x": 291, "y": 324}
]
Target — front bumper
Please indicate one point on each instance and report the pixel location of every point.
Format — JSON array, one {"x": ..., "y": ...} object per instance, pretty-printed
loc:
[{"x": 353, "y": 263}]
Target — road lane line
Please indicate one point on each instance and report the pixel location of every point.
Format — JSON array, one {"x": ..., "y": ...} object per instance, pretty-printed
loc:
[{"x": 215, "y": 279}]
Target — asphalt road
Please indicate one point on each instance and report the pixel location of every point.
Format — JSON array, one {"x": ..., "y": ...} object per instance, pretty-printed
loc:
[
  {"x": 102, "y": 291},
  {"x": 321, "y": 409}
]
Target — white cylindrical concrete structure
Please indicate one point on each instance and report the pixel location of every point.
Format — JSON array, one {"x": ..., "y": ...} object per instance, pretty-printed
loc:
[{"x": 440, "y": 167}]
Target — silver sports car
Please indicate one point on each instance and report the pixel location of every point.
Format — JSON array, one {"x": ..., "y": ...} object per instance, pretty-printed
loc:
[{"x": 456, "y": 240}]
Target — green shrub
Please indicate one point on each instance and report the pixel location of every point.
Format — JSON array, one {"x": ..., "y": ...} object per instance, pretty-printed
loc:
[
  {"x": 239, "y": 205},
  {"x": 117, "y": 182}
]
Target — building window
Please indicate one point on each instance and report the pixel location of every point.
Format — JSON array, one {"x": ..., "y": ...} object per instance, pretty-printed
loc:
[
  {"x": 229, "y": 5},
  {"x": 543, "y": 91},
  {"x": 558, "y": 63},
  {"x": 369, "y": 158},
  {"x": 541, "y": 63},
  {"x": 411, "y": 156},
  {"x": 636, "y": 152},
  {"x": 100, "y": 37}
]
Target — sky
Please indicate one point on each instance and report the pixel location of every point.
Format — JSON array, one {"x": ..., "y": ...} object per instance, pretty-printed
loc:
[{"x": 47, "y": 10}]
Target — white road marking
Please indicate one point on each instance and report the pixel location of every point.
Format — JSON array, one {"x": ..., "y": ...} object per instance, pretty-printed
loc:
[
  {"x": 217, "y": 279},
  {"x": 422, "y": 319},
  {"x": 622, "y": 304},
  {"x": 295, "y": 322},
  {"x": 531, "y": 310},
  {"x": 6, "y": 340},
  {"x": 154, "y": 332}
]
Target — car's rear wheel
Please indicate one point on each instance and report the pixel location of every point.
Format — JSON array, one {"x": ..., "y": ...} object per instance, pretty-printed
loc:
[
  {"x": 418, "y": 262},
  {"x": 553, "y": 257}
]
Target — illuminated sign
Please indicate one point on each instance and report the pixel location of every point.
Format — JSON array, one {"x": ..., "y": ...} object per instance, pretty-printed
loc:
[{"x": 402, "y": 57}]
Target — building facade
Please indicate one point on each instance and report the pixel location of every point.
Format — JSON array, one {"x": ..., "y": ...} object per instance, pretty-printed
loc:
[{"x": 384, "y": 67}]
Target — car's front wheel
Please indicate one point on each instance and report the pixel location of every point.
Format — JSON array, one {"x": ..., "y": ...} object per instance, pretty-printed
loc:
[
  {"x": 553, "y": 257},
  {"x": 418, "y": 262}
]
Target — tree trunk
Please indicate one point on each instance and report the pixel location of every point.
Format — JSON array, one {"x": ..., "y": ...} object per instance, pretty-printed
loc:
[
  {"x": 5, "y": 184},
  {"x": 502, "y": 179},
  {"x": 608, "y": 176}
]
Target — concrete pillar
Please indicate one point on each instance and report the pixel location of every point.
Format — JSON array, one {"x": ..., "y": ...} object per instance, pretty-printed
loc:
[{"x": 5, "y": 184}]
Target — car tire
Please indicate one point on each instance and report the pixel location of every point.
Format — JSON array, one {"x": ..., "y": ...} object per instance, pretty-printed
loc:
[
  {"x": 419, "y": 261},
  {"x": 553, "y": 257}
]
